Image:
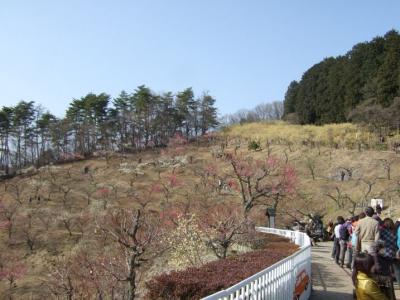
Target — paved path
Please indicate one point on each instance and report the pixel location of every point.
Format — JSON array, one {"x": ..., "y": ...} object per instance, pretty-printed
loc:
[{"x": 329, "y": 280}]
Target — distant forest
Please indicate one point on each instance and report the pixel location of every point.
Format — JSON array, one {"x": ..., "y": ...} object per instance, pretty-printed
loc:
[
  {"x": 30, "y": 135},
  {"x": 363, "y": 85},
  {"x": 261, "y": 113}
]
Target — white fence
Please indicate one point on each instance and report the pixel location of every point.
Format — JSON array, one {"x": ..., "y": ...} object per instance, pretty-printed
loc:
[{"x": 287, "y": 279}]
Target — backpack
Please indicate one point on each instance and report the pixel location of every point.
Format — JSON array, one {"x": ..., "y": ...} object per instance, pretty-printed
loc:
[{"x": 343, "y": 232}]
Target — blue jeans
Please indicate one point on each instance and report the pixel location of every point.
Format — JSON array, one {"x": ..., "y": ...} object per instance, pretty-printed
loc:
[{"x": 349, "y": 263}]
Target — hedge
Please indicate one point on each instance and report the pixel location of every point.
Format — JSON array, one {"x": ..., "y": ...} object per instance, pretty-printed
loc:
[{"x": 198, "y": 282}]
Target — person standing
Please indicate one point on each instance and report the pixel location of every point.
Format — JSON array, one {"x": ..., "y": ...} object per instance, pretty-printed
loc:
[
  {"x": 329, "y": 230},
  {"x": 367, "y": 232},
  {"x": 344, "y": 232},
  {"x": 340, "y": 222},
  {"x": 387, "y": 248}
]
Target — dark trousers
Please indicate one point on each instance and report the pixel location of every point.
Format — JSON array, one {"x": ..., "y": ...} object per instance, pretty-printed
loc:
[
  {"x": 343, "y": 249},
  {"x": 336, "y": 250}
]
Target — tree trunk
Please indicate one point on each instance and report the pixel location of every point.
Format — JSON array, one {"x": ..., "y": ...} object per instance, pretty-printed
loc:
[{"x": 132, "y": 278}]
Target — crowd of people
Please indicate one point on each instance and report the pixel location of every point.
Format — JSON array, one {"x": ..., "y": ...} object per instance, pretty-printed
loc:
[{"x": 369, "y": 246}]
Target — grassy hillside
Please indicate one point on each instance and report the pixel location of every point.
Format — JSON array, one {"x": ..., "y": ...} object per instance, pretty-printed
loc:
[
  {"x": 59, "y": 209},
  {"x": 370, "y": 168}
]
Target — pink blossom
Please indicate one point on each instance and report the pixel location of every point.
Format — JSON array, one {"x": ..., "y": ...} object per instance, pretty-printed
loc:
[
  {"x": 103, "y": 192},
  {"x": 272, "y": 162},
  {"x": 210, "y": 170},
  {"x": 289, "y": 178},
  {"x": 157, "y": 188},
  {"x": 233, "y": 184},
  {"x": 5, "y": 224},
  {"x": 245, "y": 170},
  {"x": 12, "y": 271},
  {"x": 173, "y": 180}
]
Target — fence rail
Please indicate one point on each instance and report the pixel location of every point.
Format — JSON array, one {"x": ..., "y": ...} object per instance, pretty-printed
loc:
[{"x": 287, "y": 279}]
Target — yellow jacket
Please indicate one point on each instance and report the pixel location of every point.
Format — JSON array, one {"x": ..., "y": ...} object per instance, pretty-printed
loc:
[{"x": 367, "y": 288}]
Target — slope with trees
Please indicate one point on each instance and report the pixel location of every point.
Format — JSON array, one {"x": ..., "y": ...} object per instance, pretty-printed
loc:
[
  {"x": 29, "y": 135},
  {"x": 330, "y": 90}
]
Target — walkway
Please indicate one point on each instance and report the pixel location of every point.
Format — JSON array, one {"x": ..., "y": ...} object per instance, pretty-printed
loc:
[{"x": 329, "y": 280}]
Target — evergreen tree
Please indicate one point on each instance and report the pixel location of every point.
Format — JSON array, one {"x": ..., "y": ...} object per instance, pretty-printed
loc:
[
  {"x": 30, "y": 135},
  {"x": 185, "y": 103},
  {"x": 331, "y": 89},
  {"x": 208, "y": 113}
]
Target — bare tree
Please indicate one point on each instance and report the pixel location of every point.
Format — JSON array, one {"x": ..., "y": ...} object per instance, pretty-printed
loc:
[
  {"x": 134, "y": 231},
  {"x": 261, "y": 181},
  {"x": 387, "y": 165},
  {"x": 29, "y": 234},
  {"x": 222, "y": 224},
  {"x": 65, "y": 189},
  {"x": 349, "y": 171},
  {"x": 7, "y": 215},
  {"x": 303, "y": 205},
  {"x": 343, "y": 200},
  {"x": 16, "y": 190},
  {"x": 268, "y": 145},
  {"x": 310, "y": 163},
  {"x": 61, "y": 281},
  {"x": 45, "y": 216},
  {"x": 67, "y": 220},
  {"x": 370, "y": 183}
]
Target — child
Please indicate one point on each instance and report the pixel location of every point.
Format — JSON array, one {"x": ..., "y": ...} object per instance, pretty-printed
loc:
[{"x": 366, "y": 286}]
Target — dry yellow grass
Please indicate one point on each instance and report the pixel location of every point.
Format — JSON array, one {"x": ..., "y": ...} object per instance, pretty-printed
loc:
[
  {"x": 340, "y": 135},
  {"x": 328, "y": 149}
]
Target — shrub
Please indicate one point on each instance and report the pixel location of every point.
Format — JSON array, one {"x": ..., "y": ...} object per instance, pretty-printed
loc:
[
  {"x": 254, "y": 145},
  {"x": 186, "y": 243},
  {"x": 198, "y": 282}
]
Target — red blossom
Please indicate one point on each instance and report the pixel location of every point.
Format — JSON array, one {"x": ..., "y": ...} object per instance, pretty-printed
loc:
[
  {"x": 170, "y": 216},
  {"x": 103, "y": 192},
  {"x": 173, "y": 181},
  {"x": 5, "y": 224},
  {"x": 210, "y": 170},
  {"x": 272, "y": 162},
  {"x": 289, "y": 178},
  {"x": 157, "y": 188},
  {"x": 233, "y": 184},
  {"x": 176, "y": 144},
  {"x": 245, "y": 170},
  {"x": 12, "y": 270}
]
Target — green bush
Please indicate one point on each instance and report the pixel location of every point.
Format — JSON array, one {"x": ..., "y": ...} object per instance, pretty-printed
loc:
[{"x": 254, "y": 145}]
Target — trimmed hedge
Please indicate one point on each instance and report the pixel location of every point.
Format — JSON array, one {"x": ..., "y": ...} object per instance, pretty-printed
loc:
[{"x": 195, "y": 283}]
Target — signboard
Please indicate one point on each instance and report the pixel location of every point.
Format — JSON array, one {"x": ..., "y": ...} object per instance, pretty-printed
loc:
[
  {"x": 375, "y": 202},
  {"x": 302, "y": 288},
  {"x": 271, "y": 217}
]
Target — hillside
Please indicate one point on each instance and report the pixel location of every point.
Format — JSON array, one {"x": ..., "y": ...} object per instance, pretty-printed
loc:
[
  {"x": 59, "y": 213},
  {"x": 330, "y": 90},
  {"x": 339, "y": 167}
]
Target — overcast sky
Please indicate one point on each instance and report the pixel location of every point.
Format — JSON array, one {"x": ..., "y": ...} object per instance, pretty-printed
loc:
[{"x": 242, "y": 52}]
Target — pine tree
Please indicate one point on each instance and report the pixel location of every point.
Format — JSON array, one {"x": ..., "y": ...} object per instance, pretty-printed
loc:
[{"x": 208, "y": 113}]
